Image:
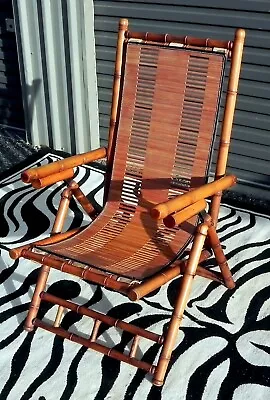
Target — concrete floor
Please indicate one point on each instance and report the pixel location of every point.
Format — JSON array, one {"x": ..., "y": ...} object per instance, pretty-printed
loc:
[{"x": 13, "y": 149}]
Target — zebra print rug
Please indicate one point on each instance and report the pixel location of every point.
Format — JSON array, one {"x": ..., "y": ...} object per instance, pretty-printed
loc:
[{"x": 223, "y": 347}]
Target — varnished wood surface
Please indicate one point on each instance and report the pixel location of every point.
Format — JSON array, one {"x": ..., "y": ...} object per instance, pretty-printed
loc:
[{"x": 163, "y": 121}]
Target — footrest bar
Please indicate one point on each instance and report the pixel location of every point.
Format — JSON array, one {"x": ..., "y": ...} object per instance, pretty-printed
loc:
[
  {"x": 95, "y": 346},
  {"x": 135, "y": 330}
]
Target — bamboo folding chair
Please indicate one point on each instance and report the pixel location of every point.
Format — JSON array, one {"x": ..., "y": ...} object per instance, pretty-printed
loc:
[{"x": 165, "y": 107}]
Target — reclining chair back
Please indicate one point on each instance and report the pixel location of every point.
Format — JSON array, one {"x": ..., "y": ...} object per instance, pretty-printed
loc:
[{"x": 166, "y": 101}]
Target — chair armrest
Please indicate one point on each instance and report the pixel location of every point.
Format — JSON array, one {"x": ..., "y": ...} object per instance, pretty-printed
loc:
[
  {"x": 178, "y": 217},
  {"x": 58, "y": 167},
  {"x": 162, "y": 210},
  {"x": 51, "y": 179}
]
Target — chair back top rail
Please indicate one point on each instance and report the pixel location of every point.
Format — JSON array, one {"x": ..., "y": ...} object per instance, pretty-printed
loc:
[{"x": 185, "y": 40}]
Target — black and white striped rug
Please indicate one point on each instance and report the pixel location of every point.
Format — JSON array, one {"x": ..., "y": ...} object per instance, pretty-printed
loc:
[{"x": 223, "y": 347}]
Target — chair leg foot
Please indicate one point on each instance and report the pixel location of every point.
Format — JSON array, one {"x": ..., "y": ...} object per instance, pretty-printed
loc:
[
  {"x": 28, "y": 328},
  {"x": 156, "y": 382},
  {"x": 35, "y": 302}
]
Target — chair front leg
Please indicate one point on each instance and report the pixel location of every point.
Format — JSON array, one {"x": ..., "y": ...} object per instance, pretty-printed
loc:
[
  {"x": 36, "y": 300},
  {"x": 44, "y": 272},
  {"x": 180, "y": 304}
]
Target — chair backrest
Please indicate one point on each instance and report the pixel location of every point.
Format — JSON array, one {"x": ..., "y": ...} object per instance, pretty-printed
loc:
[
  {"x": 167, "y": 120},
  {"x": 164, "y": 115}
]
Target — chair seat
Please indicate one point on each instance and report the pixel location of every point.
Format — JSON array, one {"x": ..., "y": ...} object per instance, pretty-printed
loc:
[{"x": 129, "y": 245}]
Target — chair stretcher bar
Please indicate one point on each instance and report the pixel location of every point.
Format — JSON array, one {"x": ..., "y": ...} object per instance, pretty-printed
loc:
[
  {"x": 106, "y": 319},
  {"x": 105, "y": 280},
  {"x": 95, "y": 346}
]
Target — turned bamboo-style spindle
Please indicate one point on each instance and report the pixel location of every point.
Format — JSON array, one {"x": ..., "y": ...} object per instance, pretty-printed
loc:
[
  {"x": 82, "y": 199},
  {"x": 62, "y": 210},
  {"x": 94, "y": 333},
  {"x": 58, "y": 318},
  {"x": 134, "y": 346},
  {"x": 123, "y": 26},
  {"x": 229, "y": 109}
]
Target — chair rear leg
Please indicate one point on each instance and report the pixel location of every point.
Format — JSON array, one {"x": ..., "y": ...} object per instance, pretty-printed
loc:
[
  {"x": 35, "y": 302},
  {"x": 220, "y": 257},
  {"x": 180, "y": 304}
]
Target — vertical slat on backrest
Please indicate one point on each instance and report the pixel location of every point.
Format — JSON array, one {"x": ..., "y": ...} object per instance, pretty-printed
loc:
[{"x": 205, "y": 75}]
